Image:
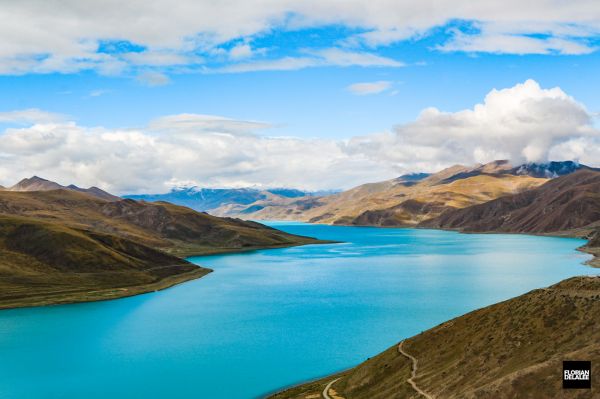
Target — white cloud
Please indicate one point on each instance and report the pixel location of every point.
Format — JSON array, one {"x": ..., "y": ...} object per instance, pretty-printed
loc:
[
  {"x": 98, "y": 92},
  {"x": 514, "y": 44},
  {"x": 42, "y": 37},
  {"x": 366, "y": 88},
  {"x": 194, "y": 123},
  {"x": 313, "y": 58},
  {"x": 153, "y": 78},
  {"x": 30, "y": 116},
  {"x": 522, "y": 123},
  {"x": 242, "y": 50}
]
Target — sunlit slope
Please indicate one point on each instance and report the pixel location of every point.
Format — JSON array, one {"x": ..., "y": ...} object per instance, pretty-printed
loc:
[{"x": 404, "y": 201}]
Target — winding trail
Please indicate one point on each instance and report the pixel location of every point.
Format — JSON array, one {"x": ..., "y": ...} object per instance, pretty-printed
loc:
[
  {"x": 413, "y": 373},
  {"x": 326, "y": 390}
]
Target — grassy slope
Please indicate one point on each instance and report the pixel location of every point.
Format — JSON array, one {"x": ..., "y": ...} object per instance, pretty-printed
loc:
[
  {"x": 511, "y": 349},
  {"x": 65, "y": 246},
  {"x": 43, "y": 263}
]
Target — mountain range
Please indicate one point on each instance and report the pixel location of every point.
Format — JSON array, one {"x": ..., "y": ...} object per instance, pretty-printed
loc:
[
  {"x": 410, "y": 199},
  {"x": 208, "y": 199}
]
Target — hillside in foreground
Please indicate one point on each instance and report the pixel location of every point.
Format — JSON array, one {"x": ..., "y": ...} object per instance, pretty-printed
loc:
[
  {"x": 513, "y": 349},
  {"x": 64, "y": 245}
]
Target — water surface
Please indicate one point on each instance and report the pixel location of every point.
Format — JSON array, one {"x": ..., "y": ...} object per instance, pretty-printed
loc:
[{"x": 271, "y": 318}]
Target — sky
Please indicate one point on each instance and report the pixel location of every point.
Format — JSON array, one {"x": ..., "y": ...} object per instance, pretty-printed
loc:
[{"x": 142, "y": 96}]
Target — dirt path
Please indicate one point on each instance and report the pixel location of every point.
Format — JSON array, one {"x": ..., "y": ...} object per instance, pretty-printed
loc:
[
  {"x": 326, "y": 390},
  {"x": 413, "y": 373}
]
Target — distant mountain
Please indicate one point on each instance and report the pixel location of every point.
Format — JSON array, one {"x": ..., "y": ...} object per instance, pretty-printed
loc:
[
  {"x": 550, "y": 169},
  {"x": 408, "y": 199},
  {"x": 207, "y": 199},
  {"x": 568, "y": 202},
  {"x": 36, "y": 183}
]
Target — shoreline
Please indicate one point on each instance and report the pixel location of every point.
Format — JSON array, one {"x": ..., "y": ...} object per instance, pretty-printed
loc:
[
  {"x": 312, "y": 385},
  {"x": 594, "y": 262},
  {"x": 108, "y": 294},
  {"x": 573, "y": 233}
]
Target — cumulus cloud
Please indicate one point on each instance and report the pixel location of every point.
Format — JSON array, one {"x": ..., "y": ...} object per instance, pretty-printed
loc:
[
  {"x": 365, "y": 88},
  {"x": 168, "y": 36},
  {"x": 524, "y": 123}
]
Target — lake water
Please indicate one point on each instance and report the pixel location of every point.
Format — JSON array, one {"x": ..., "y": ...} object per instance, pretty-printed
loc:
[{"x": 267, "y": 319}]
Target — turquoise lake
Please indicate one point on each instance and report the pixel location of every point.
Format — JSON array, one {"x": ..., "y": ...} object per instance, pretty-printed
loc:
[{"x": 267, "y": 319}]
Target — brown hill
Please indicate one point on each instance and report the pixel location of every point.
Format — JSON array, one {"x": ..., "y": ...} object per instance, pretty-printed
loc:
[
  {"x": 409, "y": 199},
  {"x": 513, "y": 349},
  {"x": 43, "y": 263},
  {"x": 36, "y": 183},
  {"x": 62, "y": 245},
  {"x": 565, "y": 203},
  {"x": 169, "y": 227}
]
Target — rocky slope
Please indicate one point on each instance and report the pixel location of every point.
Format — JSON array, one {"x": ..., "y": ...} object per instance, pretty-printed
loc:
[{"x": 508, "y": 350}]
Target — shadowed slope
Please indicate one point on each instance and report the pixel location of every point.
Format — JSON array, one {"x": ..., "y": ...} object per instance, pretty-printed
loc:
[
  {"x": 43, "y": 263},
  {"x": 568, "y": 202},
  {"x": 172, "y": 228}
]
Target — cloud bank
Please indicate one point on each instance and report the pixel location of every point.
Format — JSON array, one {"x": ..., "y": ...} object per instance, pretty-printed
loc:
[
  {"x": 524, "y": 123},
  {"x": 112, "y": 36}
]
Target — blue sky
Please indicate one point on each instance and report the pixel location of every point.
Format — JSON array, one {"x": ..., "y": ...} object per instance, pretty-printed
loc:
[
  {"x": 310, "y": 102},
  {"x": 325, "y": 73}
]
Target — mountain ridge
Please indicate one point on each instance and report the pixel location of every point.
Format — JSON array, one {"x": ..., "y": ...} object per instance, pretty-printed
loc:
[
  {"x": 36, "y": 183},
  {"x": 409, "y": 199}
]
